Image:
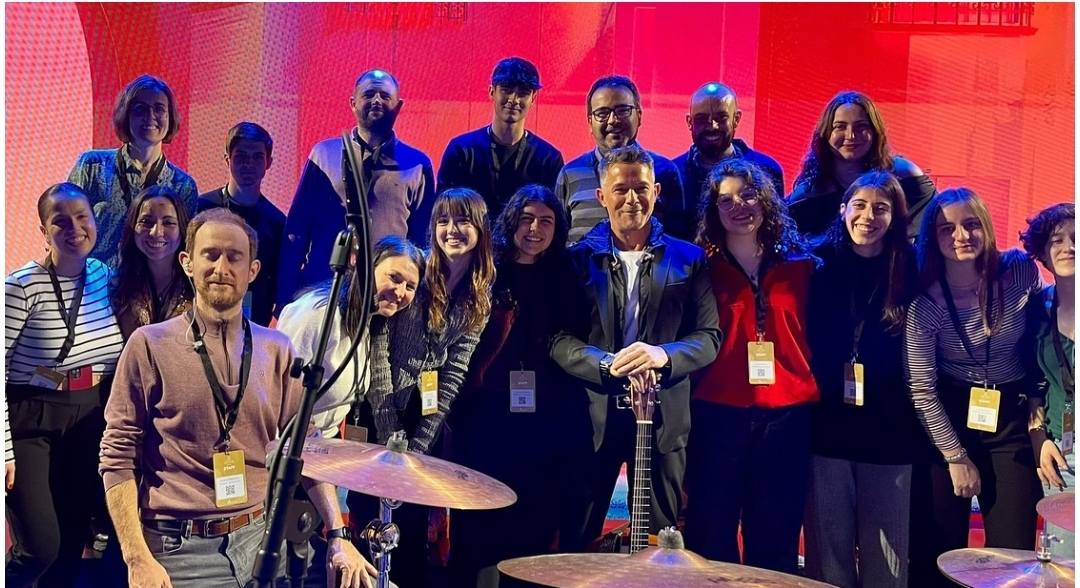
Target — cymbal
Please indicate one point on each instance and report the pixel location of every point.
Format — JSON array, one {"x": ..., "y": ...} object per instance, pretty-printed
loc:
[
  {"x": 1059, "y": 510},
  {"x": 1014, "y": 568},
  {"x": 655, "y": 566},
  {"x": 409, "y": 477}
]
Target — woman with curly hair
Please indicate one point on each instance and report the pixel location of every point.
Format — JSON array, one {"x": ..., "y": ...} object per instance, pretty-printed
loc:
[
  {"x": 748, "y": 454},
  {"x": 418, "y": 369},
  {"x": 848, "y": 141},
  {"x": 515, "y": 395},
  {"x": 150, "y": 286},
  {"x": 1051, "y": 239}
]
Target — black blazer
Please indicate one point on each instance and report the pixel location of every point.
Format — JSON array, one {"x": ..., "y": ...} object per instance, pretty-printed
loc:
[{"x": 677, "y": 312}]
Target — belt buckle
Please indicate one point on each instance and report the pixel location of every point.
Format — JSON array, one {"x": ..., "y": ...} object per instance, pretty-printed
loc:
[{"x": 185, "y": 529}]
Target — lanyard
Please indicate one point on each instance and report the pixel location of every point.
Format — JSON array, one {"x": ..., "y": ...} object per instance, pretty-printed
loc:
[
  {"x": 857, "y": 336},
  {"x": 1059, "y": 349},
  {"x": 759, "y": 292},
  {"x": 151, "y": 176},
  {"x": 226, "y": 414},
  {"x": 960, "y": 331},
  {"x": 70, "y": 317}
]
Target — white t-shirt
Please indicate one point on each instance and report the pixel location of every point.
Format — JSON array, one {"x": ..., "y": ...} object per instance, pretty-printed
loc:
[{"x": 631, "y": 263}]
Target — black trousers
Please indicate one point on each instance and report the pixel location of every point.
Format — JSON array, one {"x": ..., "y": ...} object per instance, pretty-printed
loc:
[
  {"x": 602, "y": 473},
  {"x": 1010, "y": 487},
  {"x": 752, "y": 466},
  {"x": 57, "y": 437}
]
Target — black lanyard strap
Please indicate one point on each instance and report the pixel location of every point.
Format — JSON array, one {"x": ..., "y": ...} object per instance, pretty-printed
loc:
[
  {"x": 861, "y": 325},
  {"x": 955, "y": 315},
  {"x": 151, "y": 176},
  {"x": 70, "y": 317},
  {"x": 1059, "y": 349},
  {"x": 226, "y": 414},
  {"x": 760, "y": 308}
]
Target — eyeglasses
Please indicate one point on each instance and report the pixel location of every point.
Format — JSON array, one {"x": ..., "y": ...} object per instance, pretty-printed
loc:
[
  {"x": 623, "y": 112},
  {"x": 142, "y": 109},
  {"x": 727, "y": 203}
]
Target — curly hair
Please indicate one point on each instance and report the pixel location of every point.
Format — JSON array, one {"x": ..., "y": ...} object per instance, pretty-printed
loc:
[
  {"x": 502, "y": 233},
  {"x": 1041, "y": 227},
  {"x": 819, "y": 165},
  {"x": 777, "y": 235},
  {"x": 896, "y": 244},
  {"x": 460, "y": 202}
]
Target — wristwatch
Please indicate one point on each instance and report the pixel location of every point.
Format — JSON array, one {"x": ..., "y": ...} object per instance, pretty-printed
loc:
[
  {"x": 339, "y": 533},
  {"x": 605, "y": 365}
]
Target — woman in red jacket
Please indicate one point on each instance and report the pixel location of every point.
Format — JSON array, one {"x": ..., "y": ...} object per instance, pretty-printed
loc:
[{"x": 748, "y": 454}]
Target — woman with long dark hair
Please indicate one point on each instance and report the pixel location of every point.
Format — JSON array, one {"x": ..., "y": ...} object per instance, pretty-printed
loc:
[
  {"x": 968, "y": 343},
  {"x": 145, "y": 117},
  {"x": 848, "y": 141},
  {"x": 748, "y": 456},
  {"x": 419, "y": 367},
  {"x": 62, "y": 344},
  {"x": 519, "y": 418},
  {"x": 150, "y": 285},
  {"x": 864, "y": 436}
]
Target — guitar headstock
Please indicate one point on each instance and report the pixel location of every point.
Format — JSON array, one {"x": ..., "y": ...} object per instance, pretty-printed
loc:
[{"x": 643, "y": 402}]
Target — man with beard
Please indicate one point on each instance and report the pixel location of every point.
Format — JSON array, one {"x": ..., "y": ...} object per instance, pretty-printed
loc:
[
  {"x": 613, "y": 109},
  {"x": 194, "y": 403},
  {"x": 399, "y": 178},
  {"x": 714, "y": 116},
  {"x": 500, "y": 158},
  {"x": 249, "y": 152}
]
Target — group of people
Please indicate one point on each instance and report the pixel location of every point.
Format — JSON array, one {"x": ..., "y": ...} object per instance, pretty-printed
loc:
[{"x": 853, "y": 362}]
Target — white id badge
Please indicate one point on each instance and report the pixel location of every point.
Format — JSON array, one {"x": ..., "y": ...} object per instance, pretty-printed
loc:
[{"x": 523, "y": 391}]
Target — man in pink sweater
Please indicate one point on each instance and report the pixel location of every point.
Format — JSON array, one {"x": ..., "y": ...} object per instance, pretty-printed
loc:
[{"x": 194, "y": 403}]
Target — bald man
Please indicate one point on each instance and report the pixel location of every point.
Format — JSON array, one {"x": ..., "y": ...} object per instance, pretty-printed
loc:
[
  {"x": 714, "y": 116},
  {"x": 399, "y": 178}
]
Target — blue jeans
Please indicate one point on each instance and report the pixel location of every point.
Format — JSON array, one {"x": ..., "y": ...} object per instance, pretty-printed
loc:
[
  {"x": 201, "y": 562},
  {"x": 858, "y": 505}
]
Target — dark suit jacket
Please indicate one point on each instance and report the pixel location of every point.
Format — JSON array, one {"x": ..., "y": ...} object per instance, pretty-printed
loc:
[{"x": 677, "y": 312}]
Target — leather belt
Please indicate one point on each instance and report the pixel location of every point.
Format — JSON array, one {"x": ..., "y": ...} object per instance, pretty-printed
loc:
[{"x": 206, "y": 528}]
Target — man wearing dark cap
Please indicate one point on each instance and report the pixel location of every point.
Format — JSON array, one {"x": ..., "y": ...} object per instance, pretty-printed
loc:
[
  {"x": 714, "y": 116},
  {"x": 501, "y": 157}
]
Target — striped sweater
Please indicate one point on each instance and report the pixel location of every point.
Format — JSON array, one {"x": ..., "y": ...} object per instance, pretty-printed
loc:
[
  {"x": 932, "y": 346},
  {"x": 408, "y": 348},
  {"x": 34, "y": 330}
]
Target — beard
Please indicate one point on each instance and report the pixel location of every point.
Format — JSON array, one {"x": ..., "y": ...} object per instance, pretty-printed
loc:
[
  {"x": 221, "y": 299},
  {"x": 382, "y": 125},
  {"x": 711, "y": 149}
]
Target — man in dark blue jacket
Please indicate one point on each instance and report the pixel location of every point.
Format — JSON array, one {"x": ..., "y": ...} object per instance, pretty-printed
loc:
[
  {"x": 399, "y": 178},
  {"x": 714, "y": 116},
  {"x": 642, "y": 311}
]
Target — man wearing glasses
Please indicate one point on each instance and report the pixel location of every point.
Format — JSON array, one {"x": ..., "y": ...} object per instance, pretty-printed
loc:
[
  {"x": 613, "y": 106},
  {"x": 714, "y": 116}
]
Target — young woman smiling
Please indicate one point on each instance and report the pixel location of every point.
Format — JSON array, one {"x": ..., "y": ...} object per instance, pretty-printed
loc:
[
  {"x": 62, "y": 344},
  {"x": 848, "y": 141},
  {"x": 419, "y": 368},
  {"x": 150, "y": 285},
  {"x": 748, "y": 457},
  {"x": 531, "y": 439},
  {"x": 970, "y": 362},
  {"x": 145, "y": 117},
  {"x": 864, "y": 433}
]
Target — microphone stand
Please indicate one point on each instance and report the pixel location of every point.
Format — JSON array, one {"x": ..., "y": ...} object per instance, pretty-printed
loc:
[{"x": 286, "y": 477}]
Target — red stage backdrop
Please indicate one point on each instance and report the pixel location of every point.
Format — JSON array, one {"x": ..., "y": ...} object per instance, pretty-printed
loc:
[{"x": 980, "y": 94}]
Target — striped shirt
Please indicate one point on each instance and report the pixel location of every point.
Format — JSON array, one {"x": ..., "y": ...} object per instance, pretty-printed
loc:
[
  {"x": 579, "y": 180},
  {"x": 931, "y": 343},
  {"x": 35, "y": 331}
]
